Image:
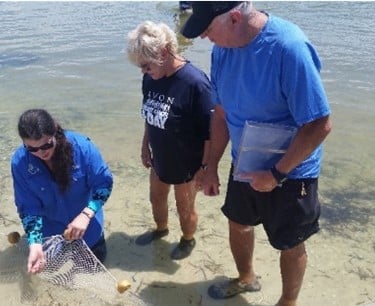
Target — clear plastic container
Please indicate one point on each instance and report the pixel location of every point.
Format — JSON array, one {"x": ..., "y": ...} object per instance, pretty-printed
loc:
[{"x": 261, "y": 146}]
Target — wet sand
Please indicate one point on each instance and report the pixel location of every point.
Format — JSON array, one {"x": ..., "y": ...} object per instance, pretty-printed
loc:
[{"x": 340, "y": 268}]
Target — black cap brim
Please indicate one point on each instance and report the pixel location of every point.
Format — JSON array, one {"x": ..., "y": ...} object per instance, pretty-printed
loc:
[{"x": 195, "y": 26}]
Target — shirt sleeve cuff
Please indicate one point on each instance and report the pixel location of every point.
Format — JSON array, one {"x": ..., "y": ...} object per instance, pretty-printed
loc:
[
  {"x": 94, "y": 205},
  {"x": 33, "y": 228}
]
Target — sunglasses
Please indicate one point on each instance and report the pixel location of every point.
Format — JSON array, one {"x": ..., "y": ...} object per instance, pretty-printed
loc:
[
  {"x": 145, "y": 67},
  {"x": 48, "y": 145}
]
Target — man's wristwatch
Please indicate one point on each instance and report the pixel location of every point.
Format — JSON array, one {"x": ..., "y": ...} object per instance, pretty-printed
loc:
[{"x": 279, "y": 177}]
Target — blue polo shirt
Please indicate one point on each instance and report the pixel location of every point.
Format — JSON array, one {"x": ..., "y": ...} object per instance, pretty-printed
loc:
[{"x": 37, "y": 194}]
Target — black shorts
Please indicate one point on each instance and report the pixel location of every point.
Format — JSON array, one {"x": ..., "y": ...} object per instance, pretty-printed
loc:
[
  {"x": 100, "y": 249},
  {"x": 289, "y": 213}
]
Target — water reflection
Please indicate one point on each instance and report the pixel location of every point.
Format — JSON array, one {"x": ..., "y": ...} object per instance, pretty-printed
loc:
[{"x": 179, "y": 20}]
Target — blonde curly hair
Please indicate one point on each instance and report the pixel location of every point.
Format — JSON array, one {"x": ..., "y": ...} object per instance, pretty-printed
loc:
[{"x": 146, "y": 42}]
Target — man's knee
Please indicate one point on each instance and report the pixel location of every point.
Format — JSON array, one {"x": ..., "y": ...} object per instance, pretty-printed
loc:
[{"x": 296, "y": 252}]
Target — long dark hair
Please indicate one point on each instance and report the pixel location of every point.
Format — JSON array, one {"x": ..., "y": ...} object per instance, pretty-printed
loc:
[{"x": 34, "y": 124}]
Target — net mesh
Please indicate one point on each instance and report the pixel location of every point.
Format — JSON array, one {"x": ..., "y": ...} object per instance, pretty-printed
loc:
[{"x": 72, "y": 275}]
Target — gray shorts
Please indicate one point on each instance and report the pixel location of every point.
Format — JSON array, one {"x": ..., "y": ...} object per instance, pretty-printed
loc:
[{"x": 289, "y": 213}]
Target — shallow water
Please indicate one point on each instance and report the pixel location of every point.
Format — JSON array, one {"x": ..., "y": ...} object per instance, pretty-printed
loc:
[{"x": 69, "y": 57}]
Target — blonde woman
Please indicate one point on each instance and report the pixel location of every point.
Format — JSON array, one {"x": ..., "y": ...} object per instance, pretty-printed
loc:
[{"x": 176, "y": 108}]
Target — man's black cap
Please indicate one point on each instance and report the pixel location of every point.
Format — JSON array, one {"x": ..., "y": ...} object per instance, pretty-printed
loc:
[{"x": 203, "y": 14}]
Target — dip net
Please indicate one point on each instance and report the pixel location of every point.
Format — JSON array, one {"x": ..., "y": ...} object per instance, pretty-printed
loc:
[{"x": 72, "y": 275}]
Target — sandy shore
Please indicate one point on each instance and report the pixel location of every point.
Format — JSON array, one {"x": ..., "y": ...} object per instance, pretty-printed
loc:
[{"x": 340, "y": 269}]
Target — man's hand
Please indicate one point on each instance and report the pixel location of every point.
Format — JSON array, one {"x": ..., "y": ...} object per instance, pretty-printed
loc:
[
  {"x": 211, "y": 183},
  {"x": 262, "y": 181}
]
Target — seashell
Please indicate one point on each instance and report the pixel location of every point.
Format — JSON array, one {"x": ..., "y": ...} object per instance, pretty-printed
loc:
[
  {"x": 67, "y": 235},
  {"x": 14, "y": 237},
  {"x": 123, "y": 285}
]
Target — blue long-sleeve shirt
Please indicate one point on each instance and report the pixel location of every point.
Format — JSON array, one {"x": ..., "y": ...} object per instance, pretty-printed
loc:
[{"x": 39, "y": 199}]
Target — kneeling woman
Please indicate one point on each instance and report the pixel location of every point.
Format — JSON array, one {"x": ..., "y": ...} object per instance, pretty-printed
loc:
[{"x": 60, "y": 185}]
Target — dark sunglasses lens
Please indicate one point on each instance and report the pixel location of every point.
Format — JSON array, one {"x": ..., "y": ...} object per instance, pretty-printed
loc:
[
  {"x": 31, "y": 149},
  {"x": 44, "y": 147}
]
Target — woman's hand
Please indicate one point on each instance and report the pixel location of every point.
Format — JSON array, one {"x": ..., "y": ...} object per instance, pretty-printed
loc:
[
  {"x": 77, "y": 228},
  {"x": 199, "y": 178},
  {"x": 146, "y": 156},
  {"x": 36, "y": 260}
]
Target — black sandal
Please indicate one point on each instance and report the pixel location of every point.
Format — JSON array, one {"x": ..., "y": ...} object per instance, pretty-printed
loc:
[
  {"x": 149, "y": 237},
  {"x": 231, "y": 288},
  {"x": 183, "y": 249}
]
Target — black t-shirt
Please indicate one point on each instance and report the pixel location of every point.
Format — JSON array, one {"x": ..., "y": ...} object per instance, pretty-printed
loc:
[{"x": 177, "y": 111}]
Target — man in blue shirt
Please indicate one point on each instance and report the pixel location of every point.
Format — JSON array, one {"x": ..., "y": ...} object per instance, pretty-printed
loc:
[{"x": 264, "y": 69}]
